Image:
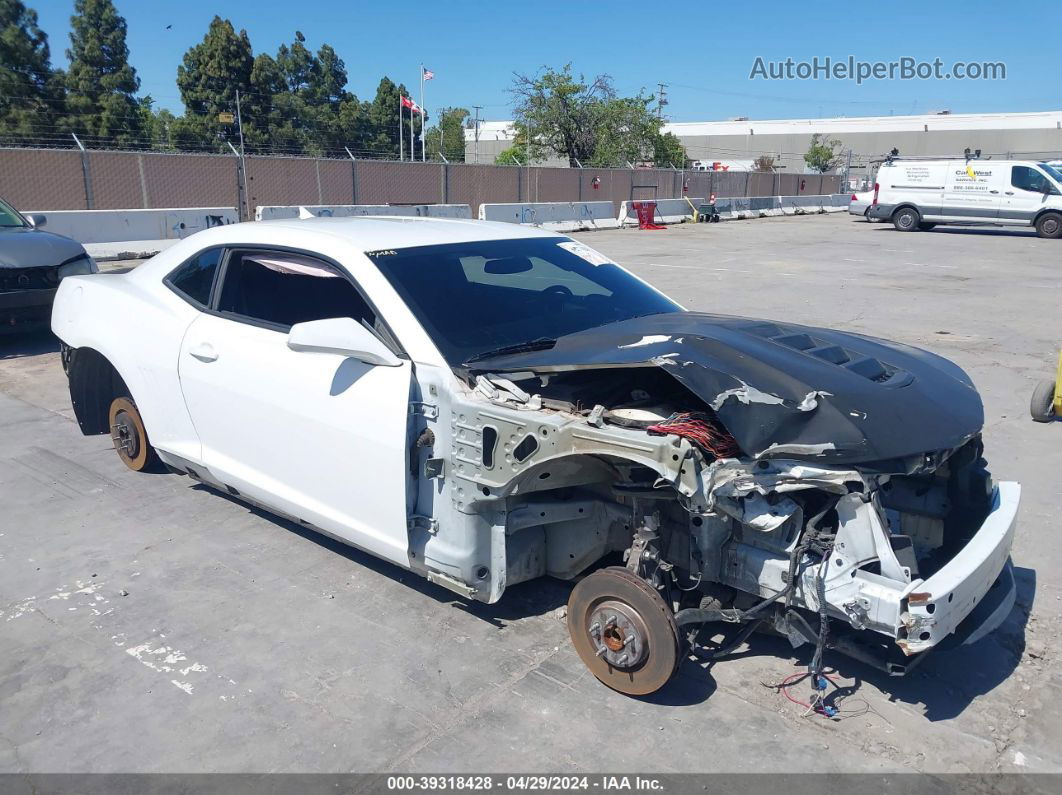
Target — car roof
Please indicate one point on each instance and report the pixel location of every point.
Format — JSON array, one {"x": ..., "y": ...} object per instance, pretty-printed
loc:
[
  {"x": 376, "y": 232},
  {"x": 362, "y": 233}
]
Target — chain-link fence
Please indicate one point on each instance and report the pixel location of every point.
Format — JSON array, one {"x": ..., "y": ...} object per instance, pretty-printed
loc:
[{"x": 50, "y": 179}]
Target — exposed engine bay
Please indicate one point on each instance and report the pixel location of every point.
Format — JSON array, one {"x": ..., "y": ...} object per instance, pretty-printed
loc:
[{"x": 881, "y": 559}]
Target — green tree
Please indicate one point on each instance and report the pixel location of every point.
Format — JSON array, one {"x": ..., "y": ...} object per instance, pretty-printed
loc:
[
  {"x": 524, "y": 152},
  {"x": 448, "y": 135},
  {"x": 304, "y": 97},
  {"x": 562, "y": 111},
  {"x": 30, "y": 93},
  {"x": 297, "y": 122},
  {"x": 157, "y": 125},
  {"x": 668, "y": 150},
  {"x": 587, "y": 122},
  {"x": 382, "y": 139},
  {"x": 515, "y": 155},
  {"x": 208, "y": 78},
  {"x": 262, "y": 116},
  {"x": 823, "y": 155},
  {"x": 101, "y": 86}
]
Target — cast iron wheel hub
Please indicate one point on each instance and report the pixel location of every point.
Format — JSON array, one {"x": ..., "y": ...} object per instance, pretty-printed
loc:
[
  {"x": 125, "y": 434},
  {"x": 618, "y": 634},
  {"x": 623, "y": 631}
]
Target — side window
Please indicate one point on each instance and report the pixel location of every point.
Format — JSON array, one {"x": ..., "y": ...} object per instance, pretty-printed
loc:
[
  {"x": 527, "y": 273},
  {"x": 1026, "y": 178},
  {"x": 194, "y": 278},
  {"x": 282, "y": 289}
]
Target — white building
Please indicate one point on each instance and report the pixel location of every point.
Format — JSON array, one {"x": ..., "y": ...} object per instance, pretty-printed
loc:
[{"x": 1025, "y": 135}]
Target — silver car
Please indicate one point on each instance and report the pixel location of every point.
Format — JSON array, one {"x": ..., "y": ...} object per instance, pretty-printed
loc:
[
  {"x": 32, "y": 263},
  {"x": 860, "y": 203}
]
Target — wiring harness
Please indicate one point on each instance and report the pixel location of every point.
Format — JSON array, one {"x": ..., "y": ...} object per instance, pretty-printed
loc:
[
  {"x": 702, "y": 429},
  {"x": 824, "y": 701}
]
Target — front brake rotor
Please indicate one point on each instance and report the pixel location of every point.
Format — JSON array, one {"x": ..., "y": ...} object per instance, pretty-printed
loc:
[{"x": 623, "y": 631}]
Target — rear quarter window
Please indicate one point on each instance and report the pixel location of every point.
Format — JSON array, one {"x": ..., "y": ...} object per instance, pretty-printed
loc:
[{"x": 193, "y": 279}]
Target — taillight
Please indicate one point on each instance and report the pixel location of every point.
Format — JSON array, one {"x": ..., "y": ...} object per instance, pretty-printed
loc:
[
  {"x": 876, "y": 188},
  {"x": 854, "y": 197}
]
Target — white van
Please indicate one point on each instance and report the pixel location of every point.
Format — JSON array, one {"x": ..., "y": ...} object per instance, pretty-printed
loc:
[{"x": 919, "y": 194}]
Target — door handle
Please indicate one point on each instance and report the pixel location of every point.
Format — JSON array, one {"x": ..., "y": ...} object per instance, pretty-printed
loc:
[
  {"x": 204, "y": 352},
  {"x": 993, "y": 191},
  {"x": 1010, "y": 193}
]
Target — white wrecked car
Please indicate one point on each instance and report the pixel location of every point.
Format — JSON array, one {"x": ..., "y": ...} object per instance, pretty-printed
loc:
[{"x": 485, "y": 404}]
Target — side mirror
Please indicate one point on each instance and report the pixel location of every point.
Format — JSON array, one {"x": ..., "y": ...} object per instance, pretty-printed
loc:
[
  {"x": 344, "y": 336},
  {"x": 37, "y": 220}
]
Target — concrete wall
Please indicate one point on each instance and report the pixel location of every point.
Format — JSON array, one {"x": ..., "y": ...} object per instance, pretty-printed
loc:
[
  {"x": 558, "y": 216},
  {"x": 270, "y": 213},
  {"x": 106, "y": 226},
  {"x": 668, "y": 211},
  {"x": 767, "y": 206},
  {"x": 575, "y": 216}
]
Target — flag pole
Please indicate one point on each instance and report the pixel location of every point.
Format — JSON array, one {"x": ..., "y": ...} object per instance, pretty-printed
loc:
[
  {"x": 412, "y": 138},
  {"x": 401, "y": 135},
  {"x": 423, "y": 114}
]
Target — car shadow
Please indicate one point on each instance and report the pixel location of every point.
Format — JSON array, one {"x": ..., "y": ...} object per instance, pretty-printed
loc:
[
  {"x": 29, "y": 343},
  {"x": 945, "y": 683},
  {"x": 966, "y": 230},
  {"x": 524, "y": 600}
]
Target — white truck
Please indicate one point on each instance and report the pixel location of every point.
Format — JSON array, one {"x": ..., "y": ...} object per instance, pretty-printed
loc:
[{"x": 918, "y": 194}]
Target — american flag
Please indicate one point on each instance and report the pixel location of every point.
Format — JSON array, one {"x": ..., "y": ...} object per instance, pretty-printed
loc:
[{"x": 428, "y": 74}]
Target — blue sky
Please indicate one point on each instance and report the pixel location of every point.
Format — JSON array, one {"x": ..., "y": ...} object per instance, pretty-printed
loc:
[{"x": 703, "y": 51}]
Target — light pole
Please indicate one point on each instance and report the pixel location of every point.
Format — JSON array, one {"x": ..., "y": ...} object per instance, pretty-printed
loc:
[{"x": 476, "y": 133}]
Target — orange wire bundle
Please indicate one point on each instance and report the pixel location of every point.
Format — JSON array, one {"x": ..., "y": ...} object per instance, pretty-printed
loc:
[{"x": 702, "y": 430}]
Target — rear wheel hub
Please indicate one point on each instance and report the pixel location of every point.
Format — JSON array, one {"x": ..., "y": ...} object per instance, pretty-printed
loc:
[{"x": 124, "y": 434}]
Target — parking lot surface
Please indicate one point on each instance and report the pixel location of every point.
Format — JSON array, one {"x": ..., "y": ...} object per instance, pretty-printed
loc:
[{"x": 149, "y": 624}]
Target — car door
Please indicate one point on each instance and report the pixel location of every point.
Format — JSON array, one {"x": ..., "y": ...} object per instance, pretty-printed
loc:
[
  {"x": 318, "y": 436},
  {"x": 973, "y": 191},
  {"x": 1026, "y": 194},
  {"x": 917, "y": 183}
]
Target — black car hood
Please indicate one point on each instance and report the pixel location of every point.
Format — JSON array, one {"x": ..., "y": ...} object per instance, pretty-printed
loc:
[
  {"x": 21, "y": 247},
  {"x": 784, "y": 390}
]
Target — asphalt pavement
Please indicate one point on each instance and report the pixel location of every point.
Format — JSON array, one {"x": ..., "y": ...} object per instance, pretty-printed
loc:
[{"x": 149, "y": 624}]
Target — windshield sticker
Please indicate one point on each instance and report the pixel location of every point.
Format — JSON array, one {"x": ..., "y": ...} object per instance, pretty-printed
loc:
[{"x": 585, "y": 252}]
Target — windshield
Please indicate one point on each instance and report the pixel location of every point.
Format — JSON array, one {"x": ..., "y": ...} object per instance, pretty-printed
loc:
[
  {"x": 9, "y": 217},
  {"x": 1053, "y": 172},
  {"x": 476, "y": 297}
]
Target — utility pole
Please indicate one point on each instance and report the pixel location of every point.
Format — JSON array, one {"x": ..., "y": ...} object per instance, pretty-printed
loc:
[
  {"x": 245, "y": 208},
  {"x": 661, "y": 101},
  {"x": 476, "y": 135},
  {"x": 529, "y": 160},
  {"x": 239, "y": 121}
]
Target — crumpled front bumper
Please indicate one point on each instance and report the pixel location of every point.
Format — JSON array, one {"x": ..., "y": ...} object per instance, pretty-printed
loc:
[{"x": 973, "y": 593}]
